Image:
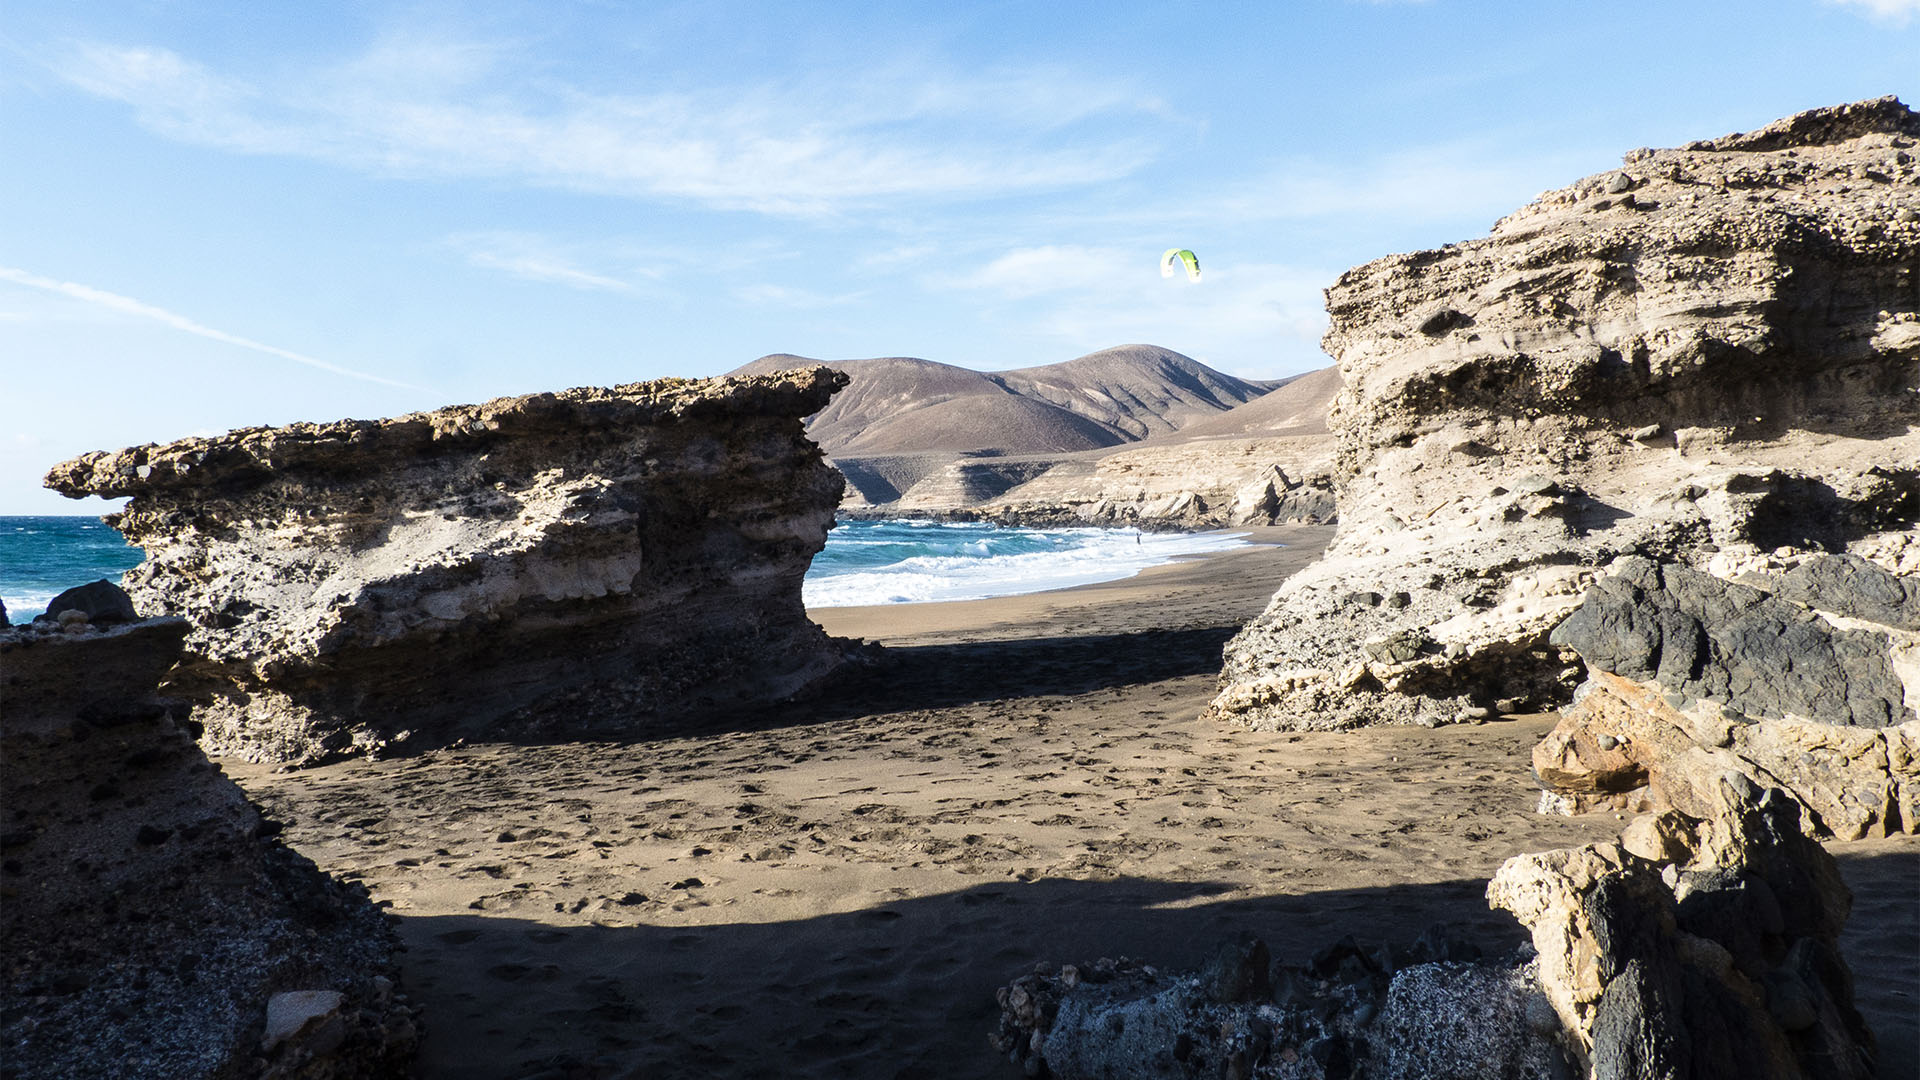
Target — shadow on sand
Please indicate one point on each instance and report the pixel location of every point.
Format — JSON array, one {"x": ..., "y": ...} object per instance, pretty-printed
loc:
[
  {"x": 901, "y": 990},
  {"x": 917, "y": 677},
  {"x": 906, "y": 989}
]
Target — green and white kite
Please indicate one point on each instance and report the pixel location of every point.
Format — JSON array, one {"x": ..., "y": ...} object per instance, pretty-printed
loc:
[{"x": 1180, "y": 256}]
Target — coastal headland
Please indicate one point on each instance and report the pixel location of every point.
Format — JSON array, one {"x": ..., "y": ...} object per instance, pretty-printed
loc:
[{"x": 1586, "y": 744}]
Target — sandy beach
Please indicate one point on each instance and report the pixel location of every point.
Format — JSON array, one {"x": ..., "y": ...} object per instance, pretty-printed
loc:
[{"x": 836, "y": 887}]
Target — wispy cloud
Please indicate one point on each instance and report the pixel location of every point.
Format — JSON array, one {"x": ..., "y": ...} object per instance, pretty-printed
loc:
[
  {"x": 437, "y": 109},
  {"x": 1894, "y": 12},
  {"x": 128, "y": 306},
  {"x": 1430, "y": 182},
  {"x": 524, "y": 255}
]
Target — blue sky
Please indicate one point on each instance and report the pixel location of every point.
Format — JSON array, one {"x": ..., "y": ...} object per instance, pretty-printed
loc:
[{"x": 218, "y": 215}]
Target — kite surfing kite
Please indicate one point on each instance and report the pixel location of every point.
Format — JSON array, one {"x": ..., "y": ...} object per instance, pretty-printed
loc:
[{"x": 1180, "y": 256}]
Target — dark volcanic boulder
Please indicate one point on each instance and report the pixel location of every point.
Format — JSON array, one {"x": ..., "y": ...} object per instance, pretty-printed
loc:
[
  {"x": 1699, "y": 636},
  {"x": 1810, "y": 687},
  {"x": 102, "y": 602},
  {"x": 1851, "y": 586}
]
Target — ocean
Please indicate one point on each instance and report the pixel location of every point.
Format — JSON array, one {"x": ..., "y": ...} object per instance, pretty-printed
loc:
[
  {"x": 865, "y": 562},
  {"x": 42, "y": 557},
  {"x": 904, "y": 562}
]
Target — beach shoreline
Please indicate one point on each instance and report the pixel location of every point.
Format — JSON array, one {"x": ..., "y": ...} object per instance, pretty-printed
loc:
[{"x": 835, "y": 887}]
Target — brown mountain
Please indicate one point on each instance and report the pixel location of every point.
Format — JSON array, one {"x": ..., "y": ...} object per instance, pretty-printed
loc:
[
  {"x": 1297, "y": 406},
  {"x": 902, "y": 405},
  {"x": 1138, "y": 391}
]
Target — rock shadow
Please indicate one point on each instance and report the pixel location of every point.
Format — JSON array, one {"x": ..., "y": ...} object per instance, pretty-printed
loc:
[
  {"x": 905, "y": 989},
  {"x": 914, "y": 677}
]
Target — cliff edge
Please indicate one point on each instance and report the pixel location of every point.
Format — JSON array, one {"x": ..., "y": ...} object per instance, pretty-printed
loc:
[{"x": 1708, "y": 357}]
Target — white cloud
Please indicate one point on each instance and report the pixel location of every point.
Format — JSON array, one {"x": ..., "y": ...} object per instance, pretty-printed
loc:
[
  {"x": 1896, "y": 12},
  {"x": 128, "y": 306},
  {"x": 1025, "y": 272},
  {"x": 446, "y": 110},
  {"x": 1433, "y": 182}
]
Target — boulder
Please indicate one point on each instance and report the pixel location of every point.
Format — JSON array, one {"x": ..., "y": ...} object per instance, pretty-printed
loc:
[
  {"x": 1719, "y": 958},
  {"x": 1705, "y": 358},
  {"x": 1692, "y": 677},
  {"x": 149, "y": 924},
  {"x": 1631, "y": 745},
  {"x": 101, "y": 602},
  {"x": 595, "y": 557},
  {"x": 1701, "y": 637},
  {"x": 1348, "y": 1013}
]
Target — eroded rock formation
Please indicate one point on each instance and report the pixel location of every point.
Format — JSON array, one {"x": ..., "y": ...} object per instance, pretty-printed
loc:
[
  {"x": 1708, "y": 356},
  {"x": 1695, "y": 946},
  {"x": 597, "y": 554},
  {"x": 1693, "y": 677},
  {"x": 1699, "y": 946},
  {"x": 1434, "y": 1010},
  {"x": 149, "y": 925}
]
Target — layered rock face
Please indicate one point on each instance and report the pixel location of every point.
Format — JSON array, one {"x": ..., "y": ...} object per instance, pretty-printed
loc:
[
  {"x": 596, "y": 554},
  {"x": 1184, "y": 484},
  {"x": 149, "y": 924},
  {"x": 1695, "y": 946},
  {"x": 1708, "y": 358}
]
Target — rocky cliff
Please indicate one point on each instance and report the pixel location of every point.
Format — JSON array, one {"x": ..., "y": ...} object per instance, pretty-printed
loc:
[
  {"x": 1708, "y": 357},
  {"x": 149, "y": 923},
  {"x": 594, "y": 555}
]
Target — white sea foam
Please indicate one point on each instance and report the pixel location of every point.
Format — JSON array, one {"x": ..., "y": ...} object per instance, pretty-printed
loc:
[
  {"x": 979, "y": 568},
  {"x": 23, "y": 606}
]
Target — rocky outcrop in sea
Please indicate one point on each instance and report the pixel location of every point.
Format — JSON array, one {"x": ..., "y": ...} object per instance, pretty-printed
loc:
[
  {"x": 1707, "y": 358},
  {"x": 150, "y": 923},
  {"x": 587, "y": 557}
]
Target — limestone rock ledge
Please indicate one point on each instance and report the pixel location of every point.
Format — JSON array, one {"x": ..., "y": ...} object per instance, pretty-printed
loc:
[
  {"x": 1709, "y": 354},
  {"x": 602, "y": 554},
  {"x": 149, "y": 924}
]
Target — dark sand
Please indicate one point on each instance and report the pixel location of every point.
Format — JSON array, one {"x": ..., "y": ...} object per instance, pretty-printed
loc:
[{"x": 836, "y": 888}]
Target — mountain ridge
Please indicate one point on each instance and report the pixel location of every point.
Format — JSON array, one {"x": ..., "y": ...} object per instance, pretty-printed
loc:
[{"x": 1124, "y": 394}]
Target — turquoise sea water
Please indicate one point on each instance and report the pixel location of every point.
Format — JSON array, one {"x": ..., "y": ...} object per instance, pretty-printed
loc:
[
  {"x": 865, "y": 562},
  {"x": 42, "y": 557}
]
